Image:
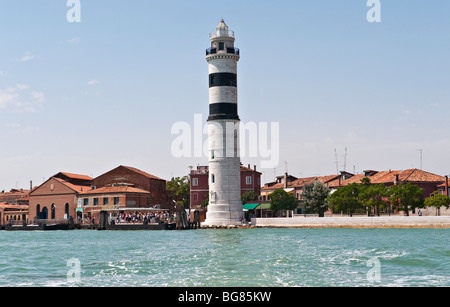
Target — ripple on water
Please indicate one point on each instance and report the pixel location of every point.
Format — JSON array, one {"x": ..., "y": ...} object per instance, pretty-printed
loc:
[{"x": 256, "y": 257}]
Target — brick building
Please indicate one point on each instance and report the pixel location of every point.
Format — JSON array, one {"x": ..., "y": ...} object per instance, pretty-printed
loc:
[
  {"x": 133, "y": 177},
  {"x": 14, "y": 205},
  {"x": 66, "y": 194},
  {"x": 57, "y": 197},
  {"x": 199, "y": 185}
]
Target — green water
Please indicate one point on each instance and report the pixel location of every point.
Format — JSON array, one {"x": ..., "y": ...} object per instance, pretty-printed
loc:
[{"x": 204, "y": 258}]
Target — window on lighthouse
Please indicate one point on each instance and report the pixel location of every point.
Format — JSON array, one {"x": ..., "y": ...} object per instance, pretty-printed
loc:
[
  {"x": 213, "y": 178},
  {"x": 221, "y": 46}
]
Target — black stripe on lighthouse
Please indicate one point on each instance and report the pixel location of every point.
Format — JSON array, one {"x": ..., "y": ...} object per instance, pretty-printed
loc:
[
  {"x": 223, "y": 79},
  {"x": 223, "y": 110}
]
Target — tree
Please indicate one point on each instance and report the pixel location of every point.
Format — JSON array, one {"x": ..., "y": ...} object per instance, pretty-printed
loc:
[
  {"x": 315, "y": 197},
  {"x": 374, "y": 197},
  {"x": 179, "y": 189},
  {"x": 249, "y": 196},
  {"x": 438, "y": 201},
  {"x": 282, "y": 200},
  {"x": 406, "y": 197},
  {"x": 205, "y": 202},
  {"x": 346, "y": 199}
]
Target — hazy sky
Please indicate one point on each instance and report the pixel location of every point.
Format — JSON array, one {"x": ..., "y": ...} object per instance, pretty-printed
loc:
[{"x": 86, "y": 97}]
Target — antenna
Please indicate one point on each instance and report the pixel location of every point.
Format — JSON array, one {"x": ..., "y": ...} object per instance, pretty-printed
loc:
[
  {"x": 336, "y": 162},
  {"x": 421, "y": 155},
  {"x": 286, "y": 167},
  {"x": 345, "y": 159}
]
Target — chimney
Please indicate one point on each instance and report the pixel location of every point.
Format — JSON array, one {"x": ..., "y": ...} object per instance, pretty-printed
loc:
[
  {"x": 254, "y": 168},
  {"x": 285, "y": 180},
  {"x": 249, "y": 166},
  {"x": 396, "y": 180},
  {"x": 31, "y": 185}
]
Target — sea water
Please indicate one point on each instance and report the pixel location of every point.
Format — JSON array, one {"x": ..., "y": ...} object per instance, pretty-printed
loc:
[{"x": 227, "y": 258}]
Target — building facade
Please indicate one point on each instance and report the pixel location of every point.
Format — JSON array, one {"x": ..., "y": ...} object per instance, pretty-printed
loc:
[
  {"x": 133, "y": 177},
  {"x": 57, "y": 198}
]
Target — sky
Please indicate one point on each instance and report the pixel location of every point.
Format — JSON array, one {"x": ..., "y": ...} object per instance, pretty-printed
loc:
[{"x": 85, "y": 97}]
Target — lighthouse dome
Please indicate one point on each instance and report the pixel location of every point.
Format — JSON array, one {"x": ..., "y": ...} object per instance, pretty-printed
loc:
[{"x": 222, "y": 26}]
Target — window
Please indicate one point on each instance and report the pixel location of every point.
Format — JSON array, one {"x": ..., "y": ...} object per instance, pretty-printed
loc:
[
  {"x": 195, "y": 182},
  {"x": 194, "y": 197},
  {"x": 212, "y": 154},
  {"x": 85, "y": 201},
  {"x": 213, "y": 178},
  {"x": 95, "y": 201},
  {"x": 105, "y": 201},
  {"x": 116, "y": 200},
  {"x": 248, "y": 180},
  {"x": 221, "y": 46}
]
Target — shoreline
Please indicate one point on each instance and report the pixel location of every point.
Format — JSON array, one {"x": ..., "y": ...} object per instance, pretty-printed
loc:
[{"x": 401, "y": 222}]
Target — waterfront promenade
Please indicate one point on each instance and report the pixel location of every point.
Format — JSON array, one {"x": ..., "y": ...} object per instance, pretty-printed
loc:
[{"x": 355, "y": 222}]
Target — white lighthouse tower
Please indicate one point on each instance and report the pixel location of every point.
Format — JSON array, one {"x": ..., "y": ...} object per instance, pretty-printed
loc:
[{"x": 225, "y": 207}]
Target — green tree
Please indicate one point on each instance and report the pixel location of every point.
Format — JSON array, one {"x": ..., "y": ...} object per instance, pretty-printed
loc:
[
  {"x": 282, "y": 200},
  {"x": 346, "y": 199},
  {"x": 406, "y": 197},
  {"x": 374, "y": 197},
  {"x": 205, "y": 202},
  {"x": 315, "y": 197},
  {"x": 438, "y": 201},
  {"x": 179, "y": 189},
  {"x": 249, "y": 196}
]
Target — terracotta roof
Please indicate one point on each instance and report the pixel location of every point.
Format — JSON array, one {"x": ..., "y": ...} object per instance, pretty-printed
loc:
[
  {"x": 409, "y": 175},
  {"x": 354, "y": 179},
  {"x": 8, "y": 206},
  {"x": 273, "y": 186},
  {"x": 246, "y": 169},
  {"x": 141, "y": 172},
  {"x": 15, "y": 195},
  {"x": 74, "y": 176},
  {"x": 118, "y": 189},
  {"x": 76, "y": 188},
  {"x": 334, "y": 181}
]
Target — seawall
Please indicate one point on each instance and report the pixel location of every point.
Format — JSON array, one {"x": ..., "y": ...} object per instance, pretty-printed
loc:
[{"x": 355, "y": 222}]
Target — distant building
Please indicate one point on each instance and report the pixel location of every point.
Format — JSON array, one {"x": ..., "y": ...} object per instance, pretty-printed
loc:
[
  {"x": 57, "y": 197},
  {"x": 66, "y": 194},
  {"x": 429, "y": 182},
  {"x": 14, "y": 205},
  {"x": 133, "y": 177},
  {"x": 250, "y": 181}
]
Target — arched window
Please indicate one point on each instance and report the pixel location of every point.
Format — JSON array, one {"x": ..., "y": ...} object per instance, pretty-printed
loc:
[
  {"x": 53, "y": 211},
  {"x": 66, "y": 210},
  {"x": 38, "y": 211}
]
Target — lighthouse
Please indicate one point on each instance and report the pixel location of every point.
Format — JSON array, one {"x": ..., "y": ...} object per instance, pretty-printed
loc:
[{"x": 225, "y": 207}]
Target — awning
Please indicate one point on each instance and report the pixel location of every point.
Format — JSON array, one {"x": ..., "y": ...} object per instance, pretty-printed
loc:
[
  {"x": 251, "y": 206},
  {"x": 264, "y": 206}
]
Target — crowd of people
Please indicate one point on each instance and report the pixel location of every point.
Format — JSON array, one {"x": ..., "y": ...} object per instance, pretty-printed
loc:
[{"x": 144, "y": 218}]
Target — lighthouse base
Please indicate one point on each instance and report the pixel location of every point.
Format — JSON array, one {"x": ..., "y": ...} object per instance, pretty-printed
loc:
[{"x": 224, "y": 215}]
